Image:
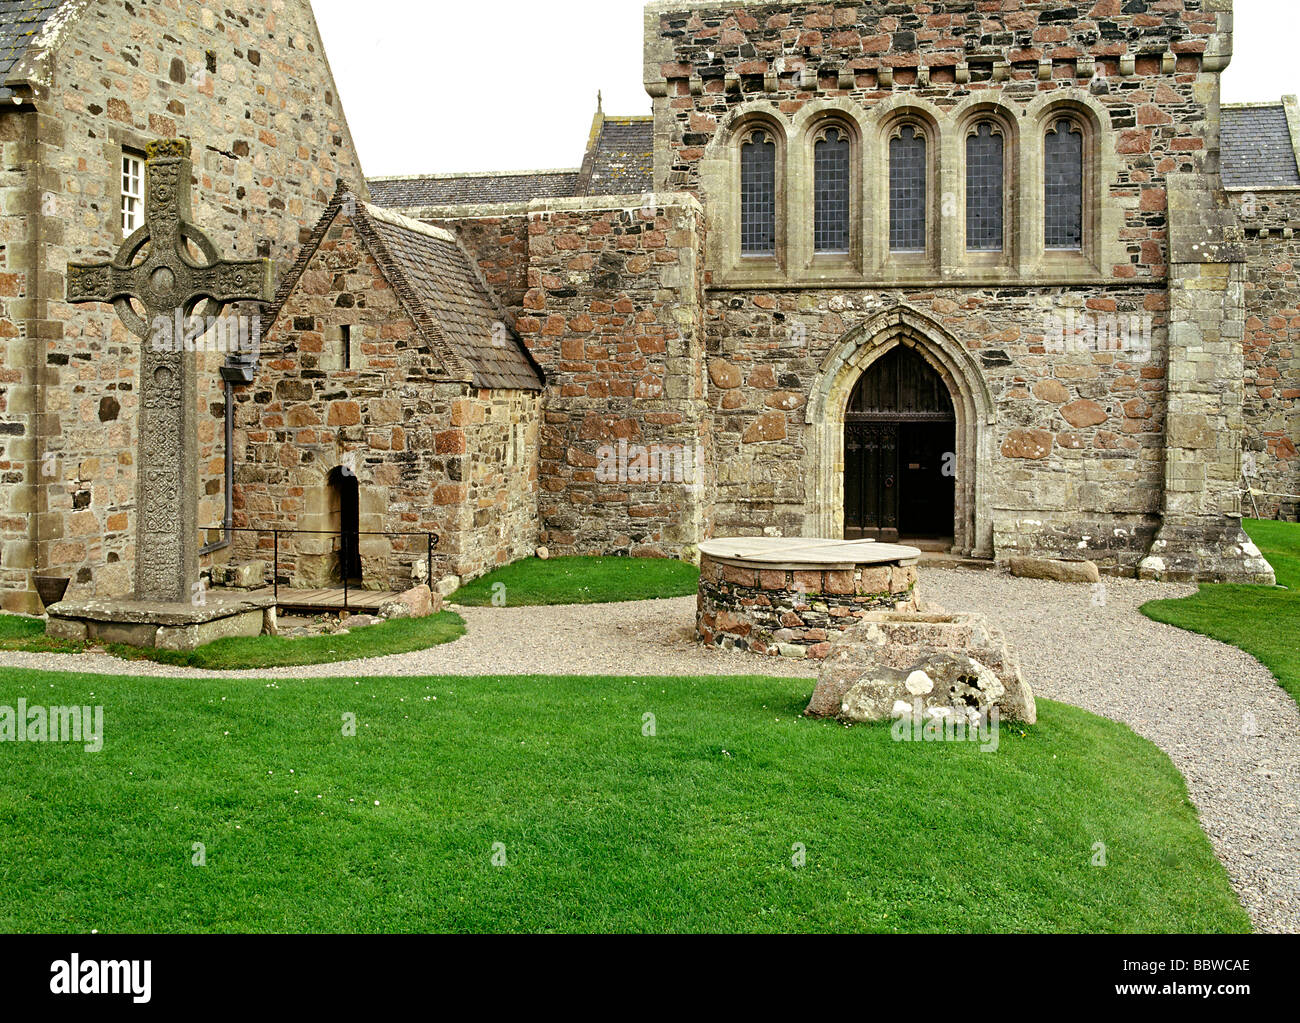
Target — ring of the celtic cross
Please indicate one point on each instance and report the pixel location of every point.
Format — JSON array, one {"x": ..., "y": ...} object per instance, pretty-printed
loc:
[{"x": 168, "y": 281}]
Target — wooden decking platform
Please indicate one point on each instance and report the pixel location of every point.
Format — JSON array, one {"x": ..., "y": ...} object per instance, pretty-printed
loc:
[{"x": 320, "y": 601}]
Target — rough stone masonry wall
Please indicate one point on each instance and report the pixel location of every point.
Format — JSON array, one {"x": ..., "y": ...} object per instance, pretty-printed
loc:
[
  {"x": 1272, "y": 349},
  {"x": 20, "y": 369},
  {"x": 1201, "y": 538},
  {"x": 249, "y": 85},
  {"x": 502, "y": 428},
  {"x": 613, "y": 314},
  {"x": 1074, "y": 460},
  {"x": 1080, "y": 437},
  {"x": 422, "y": 450},
  {"x": 498, "y": 522},
  {"x": 1142, "y": 59}
]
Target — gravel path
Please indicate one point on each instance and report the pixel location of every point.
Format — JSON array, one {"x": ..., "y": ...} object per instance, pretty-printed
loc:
[
  {"x": 1231, "y": 730},
  {"x": 652, "y": 637}
]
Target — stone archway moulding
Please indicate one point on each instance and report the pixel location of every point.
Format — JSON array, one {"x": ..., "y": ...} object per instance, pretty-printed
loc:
[{"x": 855, "y": 353}]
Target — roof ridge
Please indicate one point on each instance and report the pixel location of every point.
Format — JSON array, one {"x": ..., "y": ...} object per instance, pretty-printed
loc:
[
  {"x": 409, "y": 223},
  {"x": 474, "y": 174}
]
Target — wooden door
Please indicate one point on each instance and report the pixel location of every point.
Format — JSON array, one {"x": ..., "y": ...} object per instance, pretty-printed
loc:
[
  {"x": 899, "y": 452},
  {"x": 871, "y": 481}
]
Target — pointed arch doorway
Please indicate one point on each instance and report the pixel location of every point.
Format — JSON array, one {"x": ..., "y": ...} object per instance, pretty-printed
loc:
[
  {"x": 900, "y": 461},
  {"x": 851, "y": 361}
]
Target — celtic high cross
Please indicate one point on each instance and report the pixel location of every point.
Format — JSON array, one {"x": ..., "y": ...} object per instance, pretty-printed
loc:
[{"x": 154, "y": 268}]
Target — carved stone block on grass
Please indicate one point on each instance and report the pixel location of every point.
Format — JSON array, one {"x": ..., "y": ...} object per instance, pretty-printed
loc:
[
  {"x": 943, "y": 684},
  {"x": 905, "y": 642}
]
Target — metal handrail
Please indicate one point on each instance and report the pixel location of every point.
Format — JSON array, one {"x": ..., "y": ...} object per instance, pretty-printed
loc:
[{"x": 432, "y": 539}]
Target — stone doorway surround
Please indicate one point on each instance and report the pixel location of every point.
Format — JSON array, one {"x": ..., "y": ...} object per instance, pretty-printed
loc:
[
  {"x": 316, "y": 555},
  {"x": 855, "y": 353}
]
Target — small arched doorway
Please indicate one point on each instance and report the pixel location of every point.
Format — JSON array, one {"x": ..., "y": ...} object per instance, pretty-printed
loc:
[
  {"x": 345, "y": 515},
  {"x": 900, "y": 452}
]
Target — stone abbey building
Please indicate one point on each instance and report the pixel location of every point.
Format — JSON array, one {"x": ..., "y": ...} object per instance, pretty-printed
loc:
[{"x": 1005, "y": 277}]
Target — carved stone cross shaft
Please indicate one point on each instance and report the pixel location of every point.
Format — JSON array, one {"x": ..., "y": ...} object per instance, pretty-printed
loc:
[{"x": 154, "y": 268}]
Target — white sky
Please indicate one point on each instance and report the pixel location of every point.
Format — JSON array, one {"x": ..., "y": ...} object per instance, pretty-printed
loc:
[{"x": 435, "y": 86}]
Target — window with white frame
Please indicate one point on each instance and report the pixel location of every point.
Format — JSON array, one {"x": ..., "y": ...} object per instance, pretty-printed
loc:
[{"x": 132, "y": 193}]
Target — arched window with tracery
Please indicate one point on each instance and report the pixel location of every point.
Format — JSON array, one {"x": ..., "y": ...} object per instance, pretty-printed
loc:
[
  {"x": 758, "y": 195},
  {"x": 908, "y": 189},
  {"x": 832, "y": 191},
  {"x": 985, "y": 188},
  {"x": 1063, "y": 185}
]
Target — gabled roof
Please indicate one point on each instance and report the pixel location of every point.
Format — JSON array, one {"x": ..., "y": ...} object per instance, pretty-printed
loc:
[
  {"x": 472, "y": 189},
  {"x": 441, "y": 289},
  {"x": 1257, "y": 151},
  {"x": 620, "y": 157},
  {"x": 444, "y": 280},
  {"x": 20, "y": 22}
]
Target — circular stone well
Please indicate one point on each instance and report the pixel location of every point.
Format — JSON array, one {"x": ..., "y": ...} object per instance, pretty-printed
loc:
[{"x": 792, "y": 597}]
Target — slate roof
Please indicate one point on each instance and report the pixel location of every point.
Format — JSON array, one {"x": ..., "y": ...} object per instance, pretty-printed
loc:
[
  {"x": 20, "y": 21},
  {"x": 619, "y": 160},
  {"x": 469, "y": 189},
  {"x": 622, "y": 158},
  {"x": 1257, "y": 149},
  {"x": 440, "y": 287},
  {"x": 444, "y": 280}
]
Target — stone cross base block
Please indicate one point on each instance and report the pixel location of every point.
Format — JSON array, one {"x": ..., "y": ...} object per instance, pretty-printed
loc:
[
  {"x": 162, "y": 626},
  {"x": 791, "y": 597}
]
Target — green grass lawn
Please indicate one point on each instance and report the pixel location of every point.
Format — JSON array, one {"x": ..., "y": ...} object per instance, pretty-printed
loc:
[
  {"x": 602, "y": 829},
  {"x": 28, "y": 634},
  {"x": 1263, "y": 622},
  {"x": 14, "y": 628},
  {"x": 535, "y": 582},
  {"x": 396, "y": 637}
]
